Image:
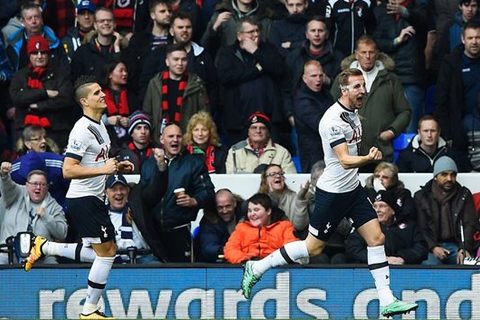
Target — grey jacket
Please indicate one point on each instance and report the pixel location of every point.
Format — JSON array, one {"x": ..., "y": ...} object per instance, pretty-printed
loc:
[{"x": 16, "y": 202}]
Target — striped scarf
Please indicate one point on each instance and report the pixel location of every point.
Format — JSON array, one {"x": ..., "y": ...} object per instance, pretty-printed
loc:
[{"x": 165, "y": 105}]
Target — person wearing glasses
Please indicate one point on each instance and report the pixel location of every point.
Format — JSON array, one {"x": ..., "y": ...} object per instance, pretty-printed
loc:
[
  {"x": 29, "y": 208},
  {"x": 102, "y": 48},
  {"x": 251, "y": 72},
  {"x": 42, "y": 94},
  {"x": 253, "y": 154},
  {"x": 294, "y": 204}
]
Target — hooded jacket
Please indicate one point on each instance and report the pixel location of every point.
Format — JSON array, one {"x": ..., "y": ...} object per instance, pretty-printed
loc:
[{"x": 385, "y": 106}]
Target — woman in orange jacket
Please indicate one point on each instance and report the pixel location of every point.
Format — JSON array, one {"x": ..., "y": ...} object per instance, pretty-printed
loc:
[{"x": 266, "y": 230}]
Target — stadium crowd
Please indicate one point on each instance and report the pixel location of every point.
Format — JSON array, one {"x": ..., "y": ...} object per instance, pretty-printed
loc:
[{"x": 240, "y": 86}]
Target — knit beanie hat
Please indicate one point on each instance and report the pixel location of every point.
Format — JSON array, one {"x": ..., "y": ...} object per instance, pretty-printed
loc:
[
  {"x": 444, "y": 163},
  {"x": 259, "y": 117},
  {"x": 136, "y": 118},
  {"x": 389, "y": 197},
  {"x": 37, "y": 43}
]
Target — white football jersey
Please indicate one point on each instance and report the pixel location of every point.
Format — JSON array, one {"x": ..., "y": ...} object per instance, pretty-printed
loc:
[
  {"x": 339, "y": 125},
  {"x": 89, "y": 143}
]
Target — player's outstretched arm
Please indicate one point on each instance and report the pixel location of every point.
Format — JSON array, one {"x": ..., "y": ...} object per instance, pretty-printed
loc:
[{"x": 350, "y": 162}]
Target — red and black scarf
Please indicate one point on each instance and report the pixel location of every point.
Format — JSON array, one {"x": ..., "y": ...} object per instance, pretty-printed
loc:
[
  {"x": 166, "y": 105},
  {"x": 141, "y": 154},
  {"x": 209, "y": 155},
  {"x": 34, "y": 81},
  {"x": 121, "y": 108}
]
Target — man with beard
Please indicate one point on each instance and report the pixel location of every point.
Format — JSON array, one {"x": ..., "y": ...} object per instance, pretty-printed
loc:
[
  {"x": 457, "y": 97},
  {"x": 199, "y": 60},
  {"x": 74, "y": 38},
  {"x": 143, "y": 43},
  {"x": 446, "y": 216},
  {"x": 340, "y": 194},
  {"x": 174, "y": 95},
  {"x": 289, "y": 33},
  {"x": 174, "y": 212}
]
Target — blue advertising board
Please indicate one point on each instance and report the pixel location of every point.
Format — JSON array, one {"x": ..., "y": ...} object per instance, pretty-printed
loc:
[{"x": 213, "y": 292}]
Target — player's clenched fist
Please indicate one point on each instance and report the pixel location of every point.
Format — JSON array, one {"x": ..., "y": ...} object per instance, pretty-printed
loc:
[
  {"x": 375, "y": 154},
  {"x": 111, "y": 166}
]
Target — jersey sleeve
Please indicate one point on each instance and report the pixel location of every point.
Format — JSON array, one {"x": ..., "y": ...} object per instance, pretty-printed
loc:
[
  {"x": 334, "y": 135},
  {"x": 78, "y": 143}
]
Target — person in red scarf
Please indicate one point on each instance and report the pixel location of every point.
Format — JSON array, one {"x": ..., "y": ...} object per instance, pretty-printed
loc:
[
  {"x": 174, "y": 95},
  {"x": 140, "y": 148},
  {"x": 120, "y": 103},
  {"x": 202, "y": 138},
  {"x": 42, "y": 94}
]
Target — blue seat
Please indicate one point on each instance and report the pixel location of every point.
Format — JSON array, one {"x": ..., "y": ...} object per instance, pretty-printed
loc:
[{"x": 400, "y": 143}]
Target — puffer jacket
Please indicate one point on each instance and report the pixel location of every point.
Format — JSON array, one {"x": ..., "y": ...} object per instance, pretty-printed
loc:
[{"x": 248, "y": 242}]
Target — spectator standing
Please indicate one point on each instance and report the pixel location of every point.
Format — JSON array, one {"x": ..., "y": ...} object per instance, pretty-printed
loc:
[
  {"x": 222, "y": 28},
  {"x": 253, "y": 154},
  {"x": 404, "y": 243},
  {"x": 143, "y": 44},
  {"x": 41, "y": 94},
  {"x": 32, "y": 22},
  {"x": 350, "y": 20},
  {"x": 174, "y": 213},
  {"x": 251, "y": 72},
  {"x": 29, "y": 208},
  {"x": 74, "y": 38},
  {"x": 311, "y": 100},
  {"x": 288, "y": 33},
  {"x": 202, "y": 138},
  {"x": 401, "y": 33},
  {"x": 446, "y": 216},
  {"x": 386, "y": 112},
  {"x": 140, "y": 148},
  {"x": 100, "y": 49},
  {"x": 199, "y": 60},
  {"x": 120, "y": 101},
  {"x": 174, "y": 95},
  {"x": 457, "y": 96},
  {"x": 266, "y": 230}
]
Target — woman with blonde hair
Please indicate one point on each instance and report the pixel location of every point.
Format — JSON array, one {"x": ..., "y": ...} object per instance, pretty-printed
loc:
[{"x": 202, "y": 138}]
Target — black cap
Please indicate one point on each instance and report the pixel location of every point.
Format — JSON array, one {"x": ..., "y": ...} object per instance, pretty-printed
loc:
[{"x": 116, "y": 178}]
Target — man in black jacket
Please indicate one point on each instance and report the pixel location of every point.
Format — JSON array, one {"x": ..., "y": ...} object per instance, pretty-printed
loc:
[
  {"x": 251, "y": 72},
  {"x": 173, "y": 213},
  {"x": 426, "y": 147},
  {"x": 446, "y": 216},
  {"x": 404, "y": 243},
  {"x": 310, "y": 103},
  {"x": 457, "y": 96}
]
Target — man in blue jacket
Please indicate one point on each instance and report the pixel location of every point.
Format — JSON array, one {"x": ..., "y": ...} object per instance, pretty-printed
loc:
[{"x": 174, "y": 213}]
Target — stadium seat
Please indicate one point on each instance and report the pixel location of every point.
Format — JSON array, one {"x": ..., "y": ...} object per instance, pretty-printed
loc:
[{"x": 400, "y": 143}]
